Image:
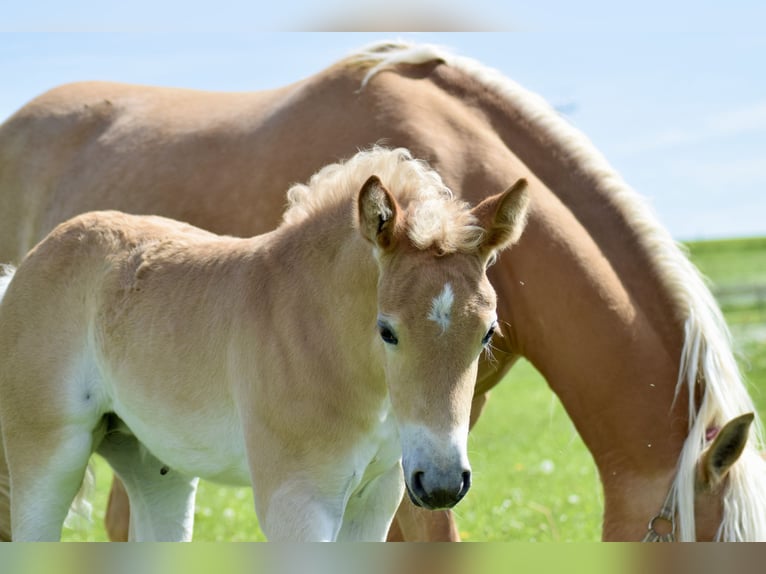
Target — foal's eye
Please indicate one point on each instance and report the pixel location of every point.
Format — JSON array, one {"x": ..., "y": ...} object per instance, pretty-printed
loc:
[
  {"x": 387, "y": 333},
  {"x": 488, "y": 337}
]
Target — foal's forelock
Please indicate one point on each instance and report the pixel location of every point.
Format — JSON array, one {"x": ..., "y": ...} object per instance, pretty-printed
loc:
[
  {"x": 409, "y": 178},
  {"x": 448, "y": 226},
  {"x": 435, "y": 219}
]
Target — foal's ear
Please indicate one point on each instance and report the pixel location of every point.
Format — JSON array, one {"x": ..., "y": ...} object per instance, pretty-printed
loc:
[
  {"x": 724, "y": 452},
  {"x": 503, "y": 217},
  {"x": 378, "y": 213}
]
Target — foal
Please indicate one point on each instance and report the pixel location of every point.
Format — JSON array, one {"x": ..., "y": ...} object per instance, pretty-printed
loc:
[{"x": 314, "y": 362}]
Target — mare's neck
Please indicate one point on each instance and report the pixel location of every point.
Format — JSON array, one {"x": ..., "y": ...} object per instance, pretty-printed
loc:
[
  {"x": 586, "y": 304},
  {"x": 605, "y": 355}
]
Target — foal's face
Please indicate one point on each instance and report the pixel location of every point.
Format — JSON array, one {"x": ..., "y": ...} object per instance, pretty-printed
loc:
[
  {"x": 436, "y": 313},
  {"x": 435, "y": 317}
]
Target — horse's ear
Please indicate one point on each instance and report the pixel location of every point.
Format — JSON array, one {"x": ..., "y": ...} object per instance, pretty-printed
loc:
[
  {"x": 503, "y": 217},
  {"x": 378, "y": 213},
  {"x": 724, "y": 452}
]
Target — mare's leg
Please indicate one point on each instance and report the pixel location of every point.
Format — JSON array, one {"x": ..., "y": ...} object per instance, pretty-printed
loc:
[
  {"x": 414, "y": 524},
  {"x": 369, "y": 511},
  {"x": 161, "y": 499},
  {"x": 117, "y": 518},
  {"x": 46, "y": 471}
]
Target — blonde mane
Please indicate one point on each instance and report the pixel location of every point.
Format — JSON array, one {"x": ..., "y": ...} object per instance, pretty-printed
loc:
[
  {"x": 434, "y": 217},
  {"x": 707, "y": 363}
]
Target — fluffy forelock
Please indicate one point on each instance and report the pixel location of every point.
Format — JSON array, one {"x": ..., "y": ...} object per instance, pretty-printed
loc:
[{"x": 433, "y": 217}]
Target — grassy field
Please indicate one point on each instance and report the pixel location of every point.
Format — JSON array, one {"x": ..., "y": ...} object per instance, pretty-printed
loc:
[{"x": 533, "y": 478}]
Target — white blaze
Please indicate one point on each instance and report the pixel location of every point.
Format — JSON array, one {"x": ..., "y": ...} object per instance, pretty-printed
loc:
[{"x": 441, "y": 307}]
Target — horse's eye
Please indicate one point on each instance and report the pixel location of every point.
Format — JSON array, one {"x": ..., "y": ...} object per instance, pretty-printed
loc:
[
  {"x": 387, "y": 333},
  {"x": 488, "y": 337}
]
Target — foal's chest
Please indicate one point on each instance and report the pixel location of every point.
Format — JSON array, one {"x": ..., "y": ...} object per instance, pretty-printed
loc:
[{"x": 378, "y": 452}]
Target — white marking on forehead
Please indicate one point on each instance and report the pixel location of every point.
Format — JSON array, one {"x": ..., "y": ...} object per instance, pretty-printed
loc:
[{"x": 441, "y": 307}]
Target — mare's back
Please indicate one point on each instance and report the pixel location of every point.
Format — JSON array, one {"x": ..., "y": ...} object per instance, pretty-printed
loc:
[{"x": 220, "y": 161}]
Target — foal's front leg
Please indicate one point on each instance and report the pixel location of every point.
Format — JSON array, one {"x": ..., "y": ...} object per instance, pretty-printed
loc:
[
  {"x": 371, "y": 507},
  {"x": 296, "y": 512}
]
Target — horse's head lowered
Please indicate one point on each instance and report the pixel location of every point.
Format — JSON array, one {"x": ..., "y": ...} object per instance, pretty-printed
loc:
[
  {"x": 436, "y": 314},
  {"x": 723, "y": 448}
]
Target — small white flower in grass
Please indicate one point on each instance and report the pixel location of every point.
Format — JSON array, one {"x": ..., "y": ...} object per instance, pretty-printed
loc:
[
  {"x": 228, "y": 513},
  {"x": 573, "y": 499},
  {"x": 500, "y": 509},
  {"x": 547, "y": 466}
]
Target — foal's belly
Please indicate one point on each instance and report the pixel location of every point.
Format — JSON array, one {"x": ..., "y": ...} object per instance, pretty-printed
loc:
[
  {"x": 204, "y": 437},
  {"x": 208, "y": 444}
]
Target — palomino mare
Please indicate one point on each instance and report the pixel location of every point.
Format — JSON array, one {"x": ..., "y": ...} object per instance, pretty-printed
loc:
[
  {"x": 295, "y": 361},
  {"x": 596, "y": 294}
]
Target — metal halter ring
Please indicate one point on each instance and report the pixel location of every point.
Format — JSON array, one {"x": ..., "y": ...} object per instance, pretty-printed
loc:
[{"x": 654, "y": 536}]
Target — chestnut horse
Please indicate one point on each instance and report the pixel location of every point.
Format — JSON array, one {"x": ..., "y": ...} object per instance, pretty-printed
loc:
[
  {"x": 315, "y": 362},
  {"x": 597, "y": 296}
]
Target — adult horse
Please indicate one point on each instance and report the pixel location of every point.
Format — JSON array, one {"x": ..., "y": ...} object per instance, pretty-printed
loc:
[
  {"x": 596, "y": 295},
  {"x": 177, "y": 353}
]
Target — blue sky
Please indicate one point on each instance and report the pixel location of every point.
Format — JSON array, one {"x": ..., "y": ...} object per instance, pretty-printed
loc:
[{"x": 674, "y": 96}]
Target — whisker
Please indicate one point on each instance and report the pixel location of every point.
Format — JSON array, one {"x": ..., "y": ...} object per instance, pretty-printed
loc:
[{"x": 490, "y": 355}]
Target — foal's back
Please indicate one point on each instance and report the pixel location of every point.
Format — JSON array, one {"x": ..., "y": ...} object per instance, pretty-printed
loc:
[
  {"x": 98, "y": 259},
  {"x": 94, "y": 295}
]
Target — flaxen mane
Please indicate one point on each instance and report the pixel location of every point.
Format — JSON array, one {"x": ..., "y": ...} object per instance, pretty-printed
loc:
[
  {"x": 434, "y": 217},
  {"x": 708, "y": 369}
]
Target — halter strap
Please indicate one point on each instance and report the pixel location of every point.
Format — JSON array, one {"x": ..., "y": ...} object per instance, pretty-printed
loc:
[
  {"x": 668, "y": 510},
  {"x": 668, "y": 514}
]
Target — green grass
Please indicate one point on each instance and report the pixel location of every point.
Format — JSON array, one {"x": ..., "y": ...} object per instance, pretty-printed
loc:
[
  {"x": 731, "y": 262},
  {"x": 533, "y": 478}
]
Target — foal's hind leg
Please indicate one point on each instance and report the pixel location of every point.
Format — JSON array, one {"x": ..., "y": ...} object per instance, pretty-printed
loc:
[
  {"x": 46, "y": 471},
  {"x": 161, "y": 499}
]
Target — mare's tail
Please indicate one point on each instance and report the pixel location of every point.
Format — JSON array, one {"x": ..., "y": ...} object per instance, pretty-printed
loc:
[{"x": 6, "y": 274}]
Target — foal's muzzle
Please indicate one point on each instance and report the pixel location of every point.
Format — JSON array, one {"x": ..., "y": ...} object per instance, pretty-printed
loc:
[{"x": 435, "y": 490}]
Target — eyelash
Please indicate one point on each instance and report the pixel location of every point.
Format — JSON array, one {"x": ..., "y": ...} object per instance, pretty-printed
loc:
[{"x": 488, "y": 337}]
